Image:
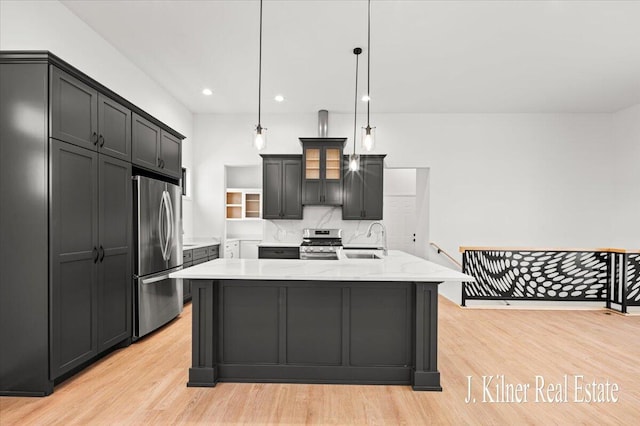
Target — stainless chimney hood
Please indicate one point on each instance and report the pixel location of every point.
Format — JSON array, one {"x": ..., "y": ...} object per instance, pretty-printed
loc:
[{"x": 323, "y": 123}]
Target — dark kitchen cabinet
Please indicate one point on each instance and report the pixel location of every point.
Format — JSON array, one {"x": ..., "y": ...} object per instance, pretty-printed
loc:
[
  {"x": 82, "y": 116},
  {"x": 155, "y": 149},
  {"x": 114, "y": 124},
  {"x": 74, "y": 255},
  {"x": 65, "y": 249},
  {"x": 322, "y": 175},
  {"x": 214, "y": 252},
  {"x": 187, "y": 261},
  {"x": 282, "y": 186},
  {"x": 146, "y": 143},
  {"x": 74, "y": 110},
  {"x": 194, "y": 257},
  {"x": 171, "y": 154},
  {"x": 278, "y": 252},
  {"x": 91, "y": 255},
  {"x": 114, "y": 263},
  {"x": 363, "y": 190}
]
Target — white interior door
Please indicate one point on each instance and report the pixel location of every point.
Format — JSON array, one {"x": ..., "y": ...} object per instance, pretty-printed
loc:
[{"x": 400, "y": 220}]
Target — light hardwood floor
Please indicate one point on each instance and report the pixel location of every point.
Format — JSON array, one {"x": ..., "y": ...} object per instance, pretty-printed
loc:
[{"x": 145, "y": 383}]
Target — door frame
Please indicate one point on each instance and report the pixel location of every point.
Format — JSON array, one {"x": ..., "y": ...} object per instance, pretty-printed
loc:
[{"x": 423, "y": 217}]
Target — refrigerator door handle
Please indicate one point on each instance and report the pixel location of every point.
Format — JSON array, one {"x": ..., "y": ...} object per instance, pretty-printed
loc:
[
  {"x": 159, "y": 277},
  {"x": 165, "y": 197},
  {"x": 161, "y": 229},
  {"x": 171, "y": 230}
]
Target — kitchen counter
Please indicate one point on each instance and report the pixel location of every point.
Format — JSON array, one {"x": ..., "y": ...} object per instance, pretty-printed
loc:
[
  {"x": 397, "y": 266},
  {"x": 196, "y": 244},
  {"x": 351, "y": 321}
]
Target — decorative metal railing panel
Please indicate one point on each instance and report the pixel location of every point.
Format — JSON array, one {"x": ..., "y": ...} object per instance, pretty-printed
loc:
[
  {"x": 535, "y": 275},
  {"x": 609, "y": 275},
  {"x": 633, "y": 279}
]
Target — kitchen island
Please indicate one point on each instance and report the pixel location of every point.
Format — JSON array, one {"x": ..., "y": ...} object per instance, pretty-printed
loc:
[{"x": 359, "y": 321}]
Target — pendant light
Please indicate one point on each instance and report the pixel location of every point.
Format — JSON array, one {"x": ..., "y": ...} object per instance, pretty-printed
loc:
[
  {"x": 260, "y": 133},
  {"x": 354, "y": 159},
  {"x": 368, "y": 133}
]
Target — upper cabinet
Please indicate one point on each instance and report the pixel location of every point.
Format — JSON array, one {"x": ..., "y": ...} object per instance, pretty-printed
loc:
[
  {"x": 114, "y": 124},
  {"x": 74, "y": 110},
  {"x": 146, "y": 143},
  {"x": 322, "y": 174},
  {"x": 83, "y": 117},
  {"x": 282, "y": 186},
  {"x": 363, "y": 190},
  {"x": 171, "y": 154},
  {"x": 155, "y": 149}
]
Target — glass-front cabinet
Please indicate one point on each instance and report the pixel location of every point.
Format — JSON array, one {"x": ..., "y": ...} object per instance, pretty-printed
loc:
[{"x": 322, "y": 174}]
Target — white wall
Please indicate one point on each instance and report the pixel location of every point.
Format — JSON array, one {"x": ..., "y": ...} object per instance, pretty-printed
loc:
[
  {"x": 226, "y": 140},
  {"x": 495, "y": 179},
  {"x": 627, "y": 177},
  {"x": 49, "y": 25}
]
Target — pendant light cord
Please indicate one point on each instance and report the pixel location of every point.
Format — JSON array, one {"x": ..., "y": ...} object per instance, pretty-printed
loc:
[
  {"x": 260, "y": 67},
  {"x": 368, "y": 60},
  {"x": 355, "y": 115}
]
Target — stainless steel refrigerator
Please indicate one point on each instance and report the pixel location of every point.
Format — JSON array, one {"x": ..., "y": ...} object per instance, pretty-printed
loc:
[{"x": 157, "y": 298}]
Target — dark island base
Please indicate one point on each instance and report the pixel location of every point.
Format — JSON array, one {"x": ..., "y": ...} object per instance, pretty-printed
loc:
[{"x": 315, "y": 332}]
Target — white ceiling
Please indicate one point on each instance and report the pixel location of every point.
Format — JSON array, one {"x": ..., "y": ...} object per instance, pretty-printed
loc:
[{"x": 427, "y": 56}]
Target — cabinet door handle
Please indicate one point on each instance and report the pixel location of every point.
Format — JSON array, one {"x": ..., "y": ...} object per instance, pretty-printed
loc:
[
  {"x": 94, "y": 138},
  {"x": 95, "y": 255},
  {"x": 101, "y": 250},
  {"x": 162, "y": 163},
  {"x": 101, "y": 140},
  {"x": 159, "y": 162}
]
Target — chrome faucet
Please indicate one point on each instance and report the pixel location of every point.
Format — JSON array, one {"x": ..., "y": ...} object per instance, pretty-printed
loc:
[{"x": 384, "y": 235}]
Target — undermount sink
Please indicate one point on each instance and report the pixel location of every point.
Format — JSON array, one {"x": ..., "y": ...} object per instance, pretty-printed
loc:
[{"x": 361, "y": 255}]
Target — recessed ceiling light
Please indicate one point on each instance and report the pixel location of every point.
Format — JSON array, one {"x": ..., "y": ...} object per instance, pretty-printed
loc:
[
  {"x": 279, "y": 98},
  {"x": 207, "y": 92},
  {"x": 365, "y": 98}
]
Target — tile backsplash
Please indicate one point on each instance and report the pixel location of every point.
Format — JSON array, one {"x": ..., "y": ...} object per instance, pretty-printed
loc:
[{"x": 290, "y": 231}]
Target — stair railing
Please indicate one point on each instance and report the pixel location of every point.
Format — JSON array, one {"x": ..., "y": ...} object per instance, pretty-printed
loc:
[{"x": 440, "y": 250}]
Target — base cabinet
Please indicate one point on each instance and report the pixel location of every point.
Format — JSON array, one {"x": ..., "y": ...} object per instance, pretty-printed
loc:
[
  {"x": 192, "y": 257},
  {"x": 315, "y": 332},
  {"x": 278, "y": 252}
]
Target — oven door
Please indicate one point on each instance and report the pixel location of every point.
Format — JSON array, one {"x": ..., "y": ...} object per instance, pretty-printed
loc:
[
  {"x": 318, "y": 255},
  {"x": 158, "y": 301}
]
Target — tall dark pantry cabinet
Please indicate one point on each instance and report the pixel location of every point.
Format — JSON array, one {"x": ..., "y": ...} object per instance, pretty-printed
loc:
[{"x": 65, "y": 221}]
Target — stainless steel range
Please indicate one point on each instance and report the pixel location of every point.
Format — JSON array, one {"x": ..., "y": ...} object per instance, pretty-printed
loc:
[{"x": 320, "y": 243}]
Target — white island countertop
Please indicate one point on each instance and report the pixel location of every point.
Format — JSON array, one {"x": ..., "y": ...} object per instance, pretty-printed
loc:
[{"x": 397, "y": 266}]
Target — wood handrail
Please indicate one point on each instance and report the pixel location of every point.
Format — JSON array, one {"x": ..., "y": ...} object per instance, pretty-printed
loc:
[
  {"x": 441, "y": 250},
  {"x": 600, "y": 250}
]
